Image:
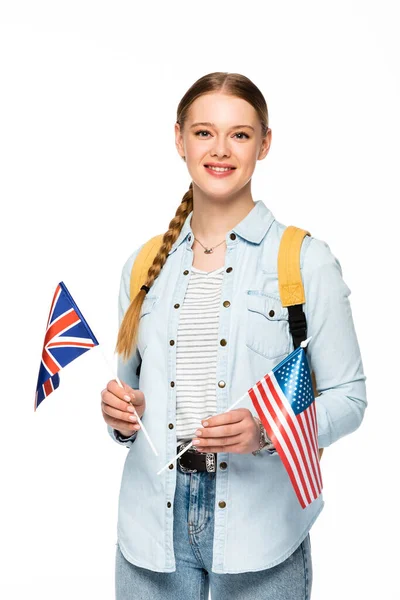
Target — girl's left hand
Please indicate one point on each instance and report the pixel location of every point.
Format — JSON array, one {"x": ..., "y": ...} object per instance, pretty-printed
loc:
[{"x": 233, "y": 431}]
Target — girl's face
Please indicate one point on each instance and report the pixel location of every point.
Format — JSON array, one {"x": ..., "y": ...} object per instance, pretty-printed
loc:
[{"x": 221, "y": 129}]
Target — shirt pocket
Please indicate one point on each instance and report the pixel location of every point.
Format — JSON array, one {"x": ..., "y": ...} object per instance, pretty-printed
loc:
[
  {"x": 267, "y": 327},
  {"x": 146, "y": 322}
]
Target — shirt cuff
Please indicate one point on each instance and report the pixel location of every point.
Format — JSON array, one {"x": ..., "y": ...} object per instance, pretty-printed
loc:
[
  {"x": 120, "y": 439},
  {"x": 270, "y": 448}
]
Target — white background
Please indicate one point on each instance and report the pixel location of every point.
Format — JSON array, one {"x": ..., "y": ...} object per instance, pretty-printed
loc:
[{"x": 89, "y": 171}]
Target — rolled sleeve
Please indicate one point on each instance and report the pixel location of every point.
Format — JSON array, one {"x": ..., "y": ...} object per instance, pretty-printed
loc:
[
  {"x": 333, "y": 352},
  {"x": 270, "y": 448},
  {"x": 123, "y": 441}
]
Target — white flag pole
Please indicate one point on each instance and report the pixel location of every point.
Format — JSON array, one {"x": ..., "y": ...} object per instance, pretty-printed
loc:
[
  {"x": 120, "y": 384},
  {"x": 302, "y": 344}
]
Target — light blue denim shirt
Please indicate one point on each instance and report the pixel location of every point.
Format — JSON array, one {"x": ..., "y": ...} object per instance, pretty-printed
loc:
[{"x": 261, "y": 522}]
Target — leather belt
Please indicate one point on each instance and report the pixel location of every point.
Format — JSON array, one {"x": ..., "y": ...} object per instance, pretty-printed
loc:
[{"x": 193, "y": 461}]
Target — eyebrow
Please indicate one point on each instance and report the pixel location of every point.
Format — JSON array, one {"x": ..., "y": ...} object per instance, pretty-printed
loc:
[{"x": 213, "y": 125}]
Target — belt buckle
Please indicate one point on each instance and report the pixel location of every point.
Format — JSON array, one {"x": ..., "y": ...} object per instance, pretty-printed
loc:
[
  {"x": 210, "y": 462},
  {"x": 184, "y": 469}
]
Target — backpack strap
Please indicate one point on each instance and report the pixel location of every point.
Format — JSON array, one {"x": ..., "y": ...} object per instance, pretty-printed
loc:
[
  {"x": 140, "y": 267},
  {"x": 143, "y": 262},
  {"x": 290, "y": 283}
]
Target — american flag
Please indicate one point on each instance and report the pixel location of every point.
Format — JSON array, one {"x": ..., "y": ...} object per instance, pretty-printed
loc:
[
  {"x": 67, "y": 336},
  {"x": 285, "y": 403}
]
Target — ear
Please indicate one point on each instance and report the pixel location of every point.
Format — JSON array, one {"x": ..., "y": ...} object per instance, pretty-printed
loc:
[
  {"x": 265, "y": 145},
  {"x": 179, "y": 140}
]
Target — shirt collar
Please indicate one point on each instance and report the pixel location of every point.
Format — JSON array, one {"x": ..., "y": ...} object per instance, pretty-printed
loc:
[{"x": 252, "y": 227}]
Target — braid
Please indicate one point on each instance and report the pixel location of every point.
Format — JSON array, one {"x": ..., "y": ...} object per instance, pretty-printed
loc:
[{"x": 127, "y": 334}]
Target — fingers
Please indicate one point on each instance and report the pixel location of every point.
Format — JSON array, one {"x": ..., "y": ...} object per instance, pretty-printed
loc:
[
  {"x": 118, "y": 397},
  {"x": 231, "y": 416},
  {"x": 222, "y": 431},
  {"x": 228, "y": 432},
  {"x": 234, "y": 444},
  {"x": 127, "y": 394},
  {"x": 117, "y": 411},
  {"x": 111, "y": 400},
  {"x": 126, "y": 416},
  {"x": 218, "y": 442},
  {"x": 122, "y": 426}
]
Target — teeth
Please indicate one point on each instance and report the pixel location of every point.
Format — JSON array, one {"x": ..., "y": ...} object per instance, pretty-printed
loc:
[{"x": 220, "y": 168}]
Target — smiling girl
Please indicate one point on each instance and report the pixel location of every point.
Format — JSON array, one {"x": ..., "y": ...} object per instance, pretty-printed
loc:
[{"x": 206, "y": 324}]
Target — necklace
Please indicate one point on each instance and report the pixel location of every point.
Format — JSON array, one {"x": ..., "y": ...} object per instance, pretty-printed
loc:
[{"x": 209, "y": 250}]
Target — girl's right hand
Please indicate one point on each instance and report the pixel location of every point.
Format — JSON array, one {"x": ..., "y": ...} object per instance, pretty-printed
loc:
[{"x": 118, "y": 411}]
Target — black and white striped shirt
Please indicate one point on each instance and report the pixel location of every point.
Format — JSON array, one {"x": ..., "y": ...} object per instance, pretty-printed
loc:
[{"x": 196, "y": 352}]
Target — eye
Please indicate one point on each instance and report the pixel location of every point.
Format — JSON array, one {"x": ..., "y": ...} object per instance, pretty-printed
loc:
[
  {"x": 242, "y": 133},
  {"x": 201, "y": 131}
]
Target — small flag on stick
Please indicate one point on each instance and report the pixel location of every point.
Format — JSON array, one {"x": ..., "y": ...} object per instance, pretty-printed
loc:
[
  {"x": 285, "y": 403},
  {"x": 67, "y": 336}
]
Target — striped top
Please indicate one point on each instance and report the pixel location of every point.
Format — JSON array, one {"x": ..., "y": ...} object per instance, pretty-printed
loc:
[{"x": 196, "y": 352}]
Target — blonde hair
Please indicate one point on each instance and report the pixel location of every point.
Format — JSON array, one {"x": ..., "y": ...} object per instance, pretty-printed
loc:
[{"x": 232, "y": 84}]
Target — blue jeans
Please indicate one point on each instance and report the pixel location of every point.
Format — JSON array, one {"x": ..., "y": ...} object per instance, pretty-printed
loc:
[{"x": 193, "y": 546}]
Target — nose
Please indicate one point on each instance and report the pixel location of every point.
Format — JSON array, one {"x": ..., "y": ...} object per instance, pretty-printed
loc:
[{"x": 220, "y": 147}]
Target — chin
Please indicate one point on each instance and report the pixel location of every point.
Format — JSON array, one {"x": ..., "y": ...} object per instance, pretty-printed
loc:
[{"x": 220, "y": 190}]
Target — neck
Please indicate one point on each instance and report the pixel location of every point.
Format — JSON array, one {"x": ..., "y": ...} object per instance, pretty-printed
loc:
[{"x": 214, "y": 216}]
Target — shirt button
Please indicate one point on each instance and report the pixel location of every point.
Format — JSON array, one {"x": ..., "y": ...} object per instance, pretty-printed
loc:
[
  {"x": 172, "y": 383},
  {"x": 223, "y": 465},
  {"x": 227, "y": 303},
  {"x": 222, "y": 504},
  {"x": 171, "y": 342},
  {"x": 233, "y": 236},
  {"x": 169, "y": 504},
  {"x": 171, "y": 425},
  {"x": 176, "y": 305},
  {"x": 221, "y": 383},
  {"x": 223, "y": 342},
  {"x": 189, "y": 238},
  {"x": 171, "y": 466},
  {"x": 271, "y": 313},
  {"x": 229, "y": 269},
  {"x": 186, "y": 272}
]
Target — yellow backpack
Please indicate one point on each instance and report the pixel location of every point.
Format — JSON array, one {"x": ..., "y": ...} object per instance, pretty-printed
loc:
[{"x": 291, "y": 289}]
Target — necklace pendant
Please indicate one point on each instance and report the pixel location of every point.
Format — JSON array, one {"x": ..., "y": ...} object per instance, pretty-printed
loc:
[{"x": 208, "y": 251}]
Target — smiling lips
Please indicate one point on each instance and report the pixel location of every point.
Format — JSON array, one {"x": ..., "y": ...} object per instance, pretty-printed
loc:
[{"x": 219, "y": 171}]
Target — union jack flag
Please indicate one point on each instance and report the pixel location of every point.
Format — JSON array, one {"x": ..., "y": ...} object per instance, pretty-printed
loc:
[
  {"x": 67, "y": 336},
  {"x": 285, "y": 403}
]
